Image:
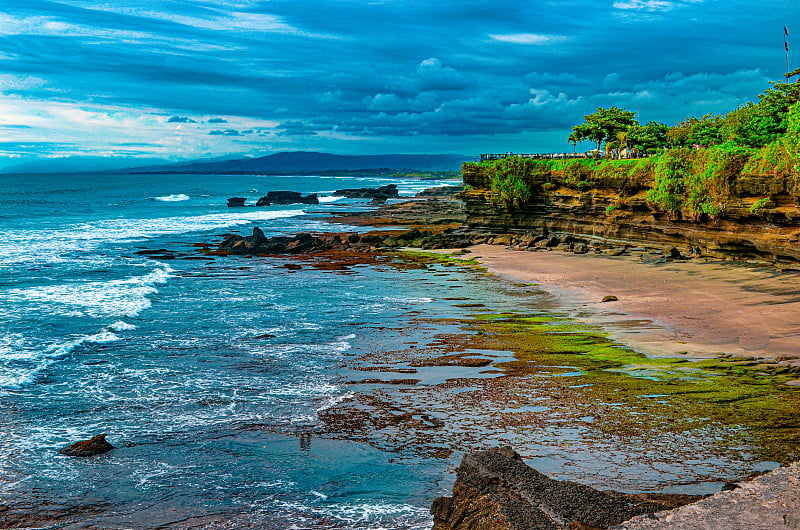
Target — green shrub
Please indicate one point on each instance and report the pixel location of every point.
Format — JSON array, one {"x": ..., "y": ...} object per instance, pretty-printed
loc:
[
  {"x": 759, "y": 206},
  {"x": 508, "y": 184},
  {"x": 670, "y": 171},
  {"x": 772, "y": 160},
  {"x": 708, "y": 186}
]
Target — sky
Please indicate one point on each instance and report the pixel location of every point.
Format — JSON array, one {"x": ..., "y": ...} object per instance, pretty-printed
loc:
[{"x": 205, "y": 78}]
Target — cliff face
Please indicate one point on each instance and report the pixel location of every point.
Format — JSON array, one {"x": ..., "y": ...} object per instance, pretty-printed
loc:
[{"x": 607, "y": 217}]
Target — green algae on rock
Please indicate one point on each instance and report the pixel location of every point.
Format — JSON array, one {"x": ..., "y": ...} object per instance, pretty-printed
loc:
[{"x": 629, "y": 393}]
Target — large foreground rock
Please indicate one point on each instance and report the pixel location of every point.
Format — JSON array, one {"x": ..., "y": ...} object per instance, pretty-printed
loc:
[
  {"x": 496, "y": 490},
  {"x": 769, "y": 502}
]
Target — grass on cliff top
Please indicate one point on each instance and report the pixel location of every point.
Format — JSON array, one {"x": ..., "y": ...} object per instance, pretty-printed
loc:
[{"x": 632, "y": 393}]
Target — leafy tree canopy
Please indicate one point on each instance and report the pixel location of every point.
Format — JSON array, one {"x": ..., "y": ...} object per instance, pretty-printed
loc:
[
  {"x": 647, "y": 137},
  {"x": 604, "y": 125}
]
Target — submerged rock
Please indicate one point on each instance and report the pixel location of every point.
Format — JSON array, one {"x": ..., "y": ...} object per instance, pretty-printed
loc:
[
  {"x": 609, "y": 298},
  {"x": 94, "y": 446},
  {"x": 496, "y": 490},
  {"x": 236, "y": 201}
]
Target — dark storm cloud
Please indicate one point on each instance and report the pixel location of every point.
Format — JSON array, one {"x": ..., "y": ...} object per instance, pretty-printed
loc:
[{"x": 394, "y": 69}]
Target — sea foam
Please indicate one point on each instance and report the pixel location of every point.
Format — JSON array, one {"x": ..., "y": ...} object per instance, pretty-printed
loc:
[
  {"x": 55, "y": 246},
  {"x": 22, "y": 362},
  {"x": 112, "y": 298},
  {"x": 177, "y": 197}
]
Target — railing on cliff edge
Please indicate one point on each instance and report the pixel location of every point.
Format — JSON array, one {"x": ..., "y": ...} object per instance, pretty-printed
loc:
[{"x": 559, "y": 156}]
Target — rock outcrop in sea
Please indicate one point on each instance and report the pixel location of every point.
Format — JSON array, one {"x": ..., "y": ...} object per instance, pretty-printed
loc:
[
  {"x": 384, "y": 192},
  {"x": 259, "y": 244},
  {"x": 287, "y": 197},
  {"x": 96, "y": 445}
]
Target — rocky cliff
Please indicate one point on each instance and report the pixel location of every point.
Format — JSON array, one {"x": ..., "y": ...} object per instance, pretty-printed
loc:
[{"x": 760, "y": 221}]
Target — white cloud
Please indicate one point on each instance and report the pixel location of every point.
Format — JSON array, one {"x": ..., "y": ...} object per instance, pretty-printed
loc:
[
  {"x": 644, "y": 5},
  {"x": 99, "y": 129},
  {"x": 528, "y": 38}
]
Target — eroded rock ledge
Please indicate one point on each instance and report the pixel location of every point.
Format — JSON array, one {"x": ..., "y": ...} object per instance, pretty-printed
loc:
[
  {"x": 771, "y": 501},
  {"x": 258, "y": 244},
  {"x": 602, "y": 218},
  {"x": 496, "y": 490}
]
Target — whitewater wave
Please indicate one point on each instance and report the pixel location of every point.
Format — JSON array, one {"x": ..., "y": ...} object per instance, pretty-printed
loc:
[
  {"x": 119, "y": 325},
  {"x": 54, "y": 246},
  {"x": 22, "y": 363},
  {"x": 408, "y": 300},
  {"x": 373, "y": 516},
  {"x": 177, "y": 197},
  {"x": 112, "y": 298},
  {"x": 330, "y": 198}
]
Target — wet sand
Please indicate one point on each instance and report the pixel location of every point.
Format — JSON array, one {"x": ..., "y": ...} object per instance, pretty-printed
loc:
[{"x": 696, "y": 307}]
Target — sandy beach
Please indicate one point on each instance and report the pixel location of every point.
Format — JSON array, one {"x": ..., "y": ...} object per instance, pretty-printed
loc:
[{"x": 694, "y": 307}]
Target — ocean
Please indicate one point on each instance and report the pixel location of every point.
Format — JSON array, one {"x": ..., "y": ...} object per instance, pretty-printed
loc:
[
  {"x": 200, "y": 371},
  {"x": 211, "y": 375}
]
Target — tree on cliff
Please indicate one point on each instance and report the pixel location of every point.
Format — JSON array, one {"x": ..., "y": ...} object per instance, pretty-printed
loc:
[
  {"x": 603, "y": 125},
  {"x": 647, "y": 137}
]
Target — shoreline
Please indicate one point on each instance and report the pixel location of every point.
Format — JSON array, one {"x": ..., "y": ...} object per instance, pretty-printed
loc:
[{"x": 698, "y": 308}]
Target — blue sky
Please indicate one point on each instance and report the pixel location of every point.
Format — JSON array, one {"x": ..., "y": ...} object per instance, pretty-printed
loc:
[{"x": 186, "y": 79}]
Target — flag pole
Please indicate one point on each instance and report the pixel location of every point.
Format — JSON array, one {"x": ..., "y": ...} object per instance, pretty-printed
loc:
[{"x": 786, "y": 47}]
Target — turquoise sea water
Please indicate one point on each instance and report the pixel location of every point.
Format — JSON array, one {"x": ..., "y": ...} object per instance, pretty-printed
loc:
[{"x": 202, "y": 372}]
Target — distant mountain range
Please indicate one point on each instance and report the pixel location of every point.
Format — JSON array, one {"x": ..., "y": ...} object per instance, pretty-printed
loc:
[
  {"x": 293, "y": 163},
  {"x": 306, "y": 162},
  {"x": 80, "y": 164}
]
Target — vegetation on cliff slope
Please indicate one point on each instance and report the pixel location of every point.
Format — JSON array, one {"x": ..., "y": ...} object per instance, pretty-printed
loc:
[{"x": 696, "y": 168}]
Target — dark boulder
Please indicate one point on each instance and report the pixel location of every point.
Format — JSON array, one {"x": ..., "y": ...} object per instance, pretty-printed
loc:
[
  {"x": 287, "y": 197},
  {"x": 236, "y": 201},
  {"x": 258, "y": 236},
  {"x": 388, "y": 191},
  {"x": 673, "y": 253},
  {"x": 495, "y": 489},
  {"x": 94, "y": 446}
]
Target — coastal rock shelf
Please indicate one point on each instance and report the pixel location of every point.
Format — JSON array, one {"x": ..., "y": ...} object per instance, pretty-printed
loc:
[
  {"x": 259, "y": 244},
  {"x": 769, "y": 501},
  {"x": 496, "y": 490}
]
